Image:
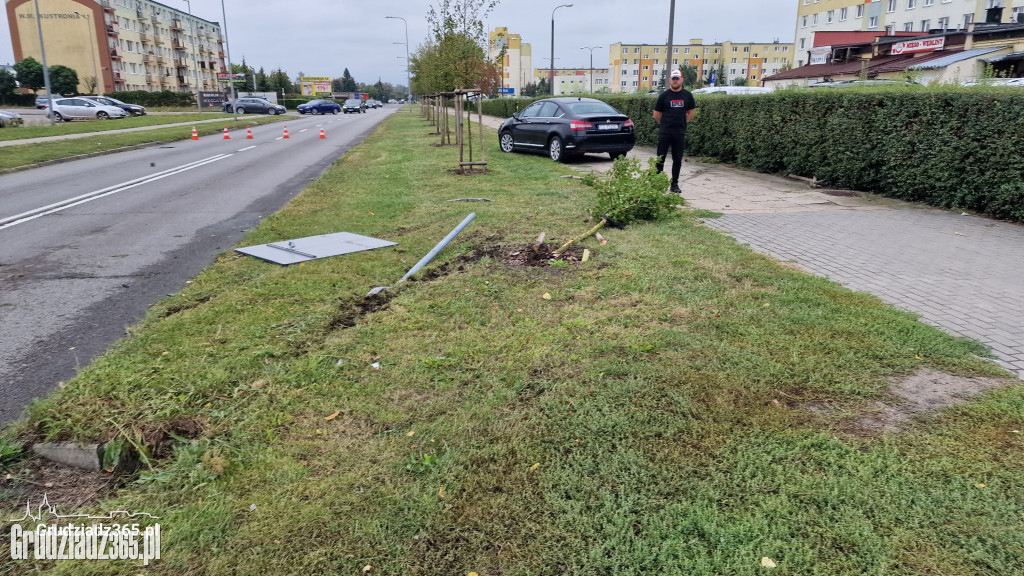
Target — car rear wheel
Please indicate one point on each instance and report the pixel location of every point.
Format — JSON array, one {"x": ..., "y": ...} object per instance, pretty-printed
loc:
[
  {"x": 239, "y": 110},
  {"x": 506, "y": 141},
  {"x": 101, "y": 115},
  {"x": 556, "y": 151},
  {"x": 273, "y": 111},
  {"x": 334, "y": 111},
  {"x": 57, "y": 116}
]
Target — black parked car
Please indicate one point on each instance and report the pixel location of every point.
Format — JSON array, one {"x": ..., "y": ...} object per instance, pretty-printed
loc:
[
  {"x": 319, "y": 107},
  {"x": 564, "y": 127},
  {"x": 133, "y": 109},
  {"x": 254, "y": 106}
]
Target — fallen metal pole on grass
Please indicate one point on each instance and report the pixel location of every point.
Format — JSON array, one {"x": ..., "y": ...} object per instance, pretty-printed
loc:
[{"x": 430, "y": 255}]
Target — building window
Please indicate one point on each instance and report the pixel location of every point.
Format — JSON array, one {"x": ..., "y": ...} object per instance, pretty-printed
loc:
[
  {"x": 830, "y": 16},
  {"x": 908, "y": 27},
  {"x": 625, "y": 50},
  {"x": 843, "y": 14},
  {"x": 814, "y": 20},
  {"x": 657, "y": 50},
  {"x": 872, "y": 21},
  {"x": 859, "y": 12},
  {"x": 635, "y": 84},
  {"x": 636, "y": 50},
  {"x": 926, "y": 25},
  {"x": 707, "y": 51},
  {"x": 892, "y": 6},
  {"x": 625, "y": 72},
  {"x": 929, "y": 2},
  {"x": 968, "y": 18},
  {"x": 686, "y": 50},
  {"x": 623, "y": 84},
  {"x": 675, "y": 50},
  {"x": 911, "y": 4},
  {"x": 944, "y": 23},
  {"x": 646, "y": 67},
  {"x": 803, "y": 23},
  {"x": 802, "y": 40}
]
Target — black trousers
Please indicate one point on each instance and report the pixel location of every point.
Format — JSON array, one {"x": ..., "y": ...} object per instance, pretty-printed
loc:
[{"x": 677, "y": 142}]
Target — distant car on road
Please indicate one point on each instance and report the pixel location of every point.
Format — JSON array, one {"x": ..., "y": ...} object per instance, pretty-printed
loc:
[
  {"x": 319, "y": 107},
  {"x": 8, "y": 119},
  {"x": 133, "y": 109},
  {"x": 68, "y": 109},
  {"x": 353, "y": 105},
  {"x": 253, "y": 106},
  {"x": 563, "y": 127},
  {"x": 42, "y": 101}
]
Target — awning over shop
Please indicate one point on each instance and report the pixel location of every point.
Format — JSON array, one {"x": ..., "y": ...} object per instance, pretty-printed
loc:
[
  {"x": 948, "y": 59},
  {"x": 1004, "y": 57}
]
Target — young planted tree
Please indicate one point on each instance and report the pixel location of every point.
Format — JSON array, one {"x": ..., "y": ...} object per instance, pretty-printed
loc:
[
  {"x": 8, "y": 83},
  {"x": 454, "y": 55}
]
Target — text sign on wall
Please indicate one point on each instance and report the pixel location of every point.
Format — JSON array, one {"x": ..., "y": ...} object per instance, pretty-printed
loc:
[{"x": 911, "y": 46}]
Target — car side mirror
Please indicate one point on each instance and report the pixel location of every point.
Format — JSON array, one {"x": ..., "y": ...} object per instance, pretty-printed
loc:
[{"x": 516, "y": 115}]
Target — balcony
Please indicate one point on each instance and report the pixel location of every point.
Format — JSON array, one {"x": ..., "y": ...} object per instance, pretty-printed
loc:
[
  {"x": 178, "y": 44},
  {"x": 160, "y": 60},
  {"x": 159, "y": 40},
  {"x": 113, "y": 30},
  {"x": 180, "y": 63},
  {"x": 182, "y": 81},
  {"x": 108, "y": 6},
  {"x": 149, "y": 58},
  {"x": 176, "y": 25},
  {"x": 144, "y": 38},
  {"x": 115, "y": 54},
  {"x": 150, "y": 79}
]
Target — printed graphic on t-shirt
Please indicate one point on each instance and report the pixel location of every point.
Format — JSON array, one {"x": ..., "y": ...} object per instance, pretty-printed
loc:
[{"x": 677, "y": 103}]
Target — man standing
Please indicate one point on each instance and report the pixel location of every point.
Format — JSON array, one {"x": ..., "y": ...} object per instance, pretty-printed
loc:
[{"x": 675, "y": 107}]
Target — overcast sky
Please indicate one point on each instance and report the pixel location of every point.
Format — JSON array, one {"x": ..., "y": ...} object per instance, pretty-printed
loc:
[{"x": 323, "y": 37}]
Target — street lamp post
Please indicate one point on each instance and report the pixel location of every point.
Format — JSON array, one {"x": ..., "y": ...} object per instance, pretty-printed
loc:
[
  {"x": 591, "y": 48},
  {"x": 551, "y": 72},
  {"x": 408, "y": 80},
  {"x": 46, "y": 71},
  {"x": 227, "y": 50},
  {"x": 195, "y": 61}
]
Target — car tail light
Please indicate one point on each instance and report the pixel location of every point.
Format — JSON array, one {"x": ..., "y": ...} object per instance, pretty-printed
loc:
[
  {"x": 580, "y": 125},
  {"x": 628, "y": 124}
]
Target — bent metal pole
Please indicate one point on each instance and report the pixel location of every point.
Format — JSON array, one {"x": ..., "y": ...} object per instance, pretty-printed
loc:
[{"x": 440, "y": 246}]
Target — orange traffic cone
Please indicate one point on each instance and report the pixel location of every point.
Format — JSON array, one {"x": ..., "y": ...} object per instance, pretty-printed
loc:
[
  {"x": 286, "y": 136},
  {"x": 226, "y": 136},
  {"x": 322, "y": 135},
  {"x": 195, "y": 135},
  {"x": 248, "y": 133}
]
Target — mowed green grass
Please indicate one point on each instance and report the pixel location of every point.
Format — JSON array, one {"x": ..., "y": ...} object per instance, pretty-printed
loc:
[
  {"x": 651, "y": 417},
  {"x": 82, "y": 127}
]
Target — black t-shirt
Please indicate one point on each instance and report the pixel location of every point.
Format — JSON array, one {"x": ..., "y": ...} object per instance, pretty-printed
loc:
[{"x": 673, "y": 107}]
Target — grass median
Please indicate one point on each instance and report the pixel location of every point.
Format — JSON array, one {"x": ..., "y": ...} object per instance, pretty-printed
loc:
[
  {"x": 677, "y": 405},
  {"x": 12, "y": 157}
]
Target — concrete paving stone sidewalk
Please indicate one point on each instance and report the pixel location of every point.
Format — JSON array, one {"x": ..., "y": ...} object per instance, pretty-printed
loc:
[{"x": 959, "y": 272}]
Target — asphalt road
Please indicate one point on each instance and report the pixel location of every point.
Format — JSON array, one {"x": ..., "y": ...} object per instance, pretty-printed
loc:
[{"x": 87, "y": 246}]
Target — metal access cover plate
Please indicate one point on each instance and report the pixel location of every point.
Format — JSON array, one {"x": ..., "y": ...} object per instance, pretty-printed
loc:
[{"x": 287, "y": 252}]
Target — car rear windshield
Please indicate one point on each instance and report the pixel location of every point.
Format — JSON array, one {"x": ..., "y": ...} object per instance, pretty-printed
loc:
[
  {"x": 590, "y": 108},
  {"x": 355, "y": 101}
]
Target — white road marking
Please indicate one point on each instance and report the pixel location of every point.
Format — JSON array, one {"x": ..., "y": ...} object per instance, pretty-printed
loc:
[
  {"x": 248, "y": 148},
  {"x": 301, "y": 131},
  {"x": 104, "y": 192}
]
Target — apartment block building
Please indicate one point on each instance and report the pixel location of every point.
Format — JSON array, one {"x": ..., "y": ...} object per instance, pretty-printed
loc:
[
  {"x": 517, "y": 62},
  {"x": 569, "y": 81},
  {"x": 640, "y": 67},
  {"x": 122, "y": 44},
  {"x": 888, "y": 16}
]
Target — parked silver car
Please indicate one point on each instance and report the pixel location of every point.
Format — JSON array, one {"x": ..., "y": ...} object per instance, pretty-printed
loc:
[{"x": 68, "y": 109}]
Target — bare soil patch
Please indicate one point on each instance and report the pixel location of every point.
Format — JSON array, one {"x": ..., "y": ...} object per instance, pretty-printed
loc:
[
  {"x": 68, "y": 489},
  {"x": 924, "y": 391}
]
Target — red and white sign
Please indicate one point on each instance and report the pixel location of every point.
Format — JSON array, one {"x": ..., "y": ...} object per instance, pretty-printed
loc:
[{"x": 925, "y": 45}]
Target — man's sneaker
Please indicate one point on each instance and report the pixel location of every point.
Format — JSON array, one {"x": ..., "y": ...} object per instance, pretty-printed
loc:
[{"x": 675, "y": 189}]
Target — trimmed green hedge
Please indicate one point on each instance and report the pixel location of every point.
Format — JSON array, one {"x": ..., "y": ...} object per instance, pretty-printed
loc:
[
  {"x": 952, "y": 147},
  {"x": 161, "y": 98},
  {"x": 18, "y": 99},
  {"x": 949, "y": 147}
]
